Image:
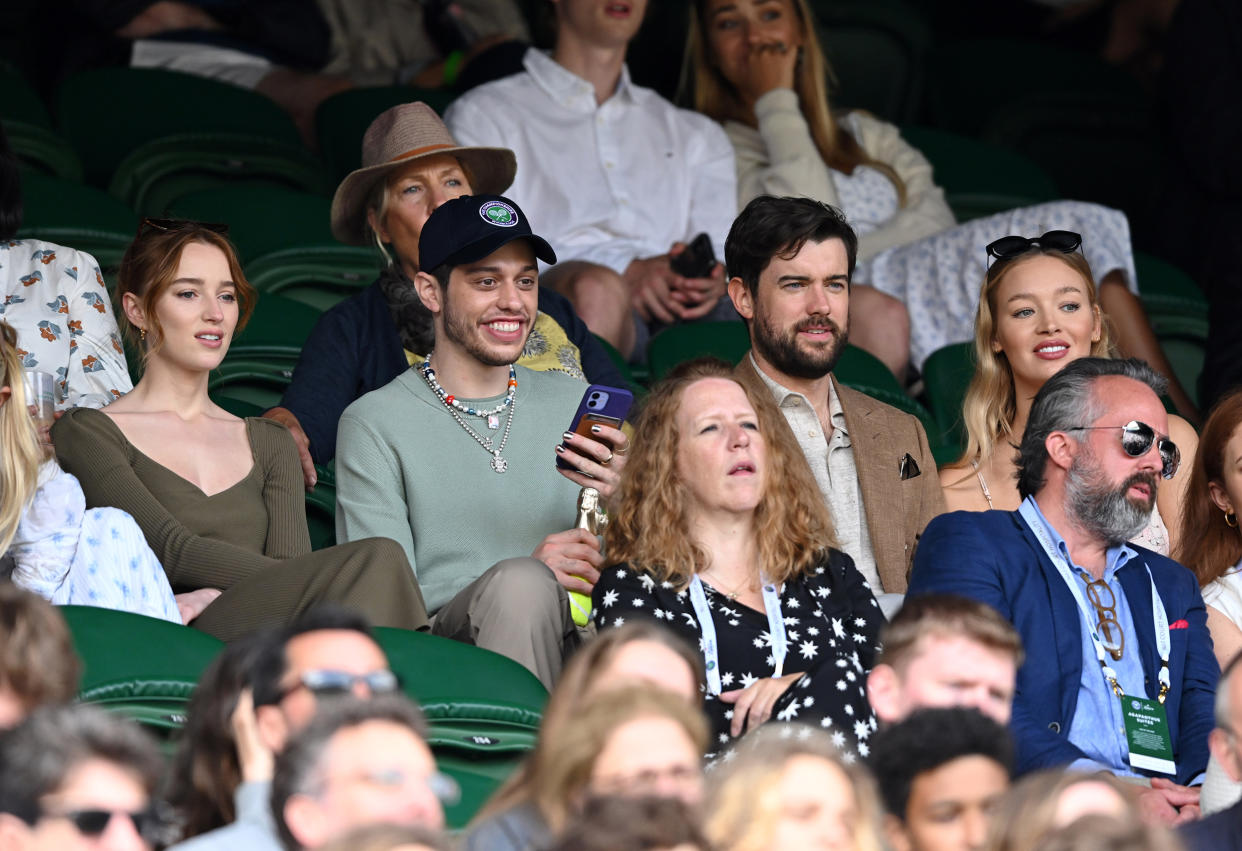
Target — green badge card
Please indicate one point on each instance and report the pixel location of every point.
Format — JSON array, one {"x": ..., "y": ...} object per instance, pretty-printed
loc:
[{"x": 1147, "y": 734}]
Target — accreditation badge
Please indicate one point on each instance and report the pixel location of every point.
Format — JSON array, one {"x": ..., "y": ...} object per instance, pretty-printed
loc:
[{"x": 1147, "y": 735}]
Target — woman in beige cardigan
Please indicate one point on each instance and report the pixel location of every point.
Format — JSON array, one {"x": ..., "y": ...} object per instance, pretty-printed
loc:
[{"x": 757, "y": 67}]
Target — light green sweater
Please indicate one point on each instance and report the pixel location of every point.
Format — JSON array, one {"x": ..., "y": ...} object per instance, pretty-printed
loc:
[{"x": 406, "y": 470}]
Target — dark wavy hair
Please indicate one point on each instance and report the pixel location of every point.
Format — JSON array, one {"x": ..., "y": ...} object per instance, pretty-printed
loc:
[{"x": 778, "y": 227}]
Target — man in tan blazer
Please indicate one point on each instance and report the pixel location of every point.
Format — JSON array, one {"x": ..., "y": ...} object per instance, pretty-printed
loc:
[{"x": 790, "y": 261}]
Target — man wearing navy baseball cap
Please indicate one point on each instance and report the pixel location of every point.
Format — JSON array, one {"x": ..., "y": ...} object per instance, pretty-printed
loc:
[{"x": 455, "y": 459}]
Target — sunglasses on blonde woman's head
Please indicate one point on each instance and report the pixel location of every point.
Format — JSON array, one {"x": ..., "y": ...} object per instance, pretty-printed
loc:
[
  {"x": 1136, "y": 441},
  {"x": 1009, "y": 247}
]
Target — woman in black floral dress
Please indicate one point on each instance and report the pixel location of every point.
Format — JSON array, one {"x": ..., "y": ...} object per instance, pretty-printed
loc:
[{"x": 717, "y": 514}]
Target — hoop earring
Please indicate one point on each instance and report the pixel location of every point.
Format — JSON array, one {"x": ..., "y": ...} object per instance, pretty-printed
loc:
[{"x": 1231, "y": 520}]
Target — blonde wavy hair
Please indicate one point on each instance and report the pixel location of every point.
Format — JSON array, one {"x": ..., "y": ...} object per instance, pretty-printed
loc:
[
  {"x": 708, "y": 92},
  {"x": 20, "y": 453},
  {"x": 559, "y": 778},
  {"x": 650, "y": 526},
  {"x": 990, "y": 406},
  {"x": 744, "y": 800}
]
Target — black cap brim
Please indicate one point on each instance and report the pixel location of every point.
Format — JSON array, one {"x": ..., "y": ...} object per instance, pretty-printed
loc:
[{"x": 481, "y": 248}]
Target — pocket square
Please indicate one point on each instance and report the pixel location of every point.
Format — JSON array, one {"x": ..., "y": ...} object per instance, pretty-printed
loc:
[
  {"x": 1181, "y": 624},
  {"x": 908, "y": 468}
]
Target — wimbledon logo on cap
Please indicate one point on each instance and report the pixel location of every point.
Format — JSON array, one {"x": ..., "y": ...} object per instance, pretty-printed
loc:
[{"x": 499, "y": 213}]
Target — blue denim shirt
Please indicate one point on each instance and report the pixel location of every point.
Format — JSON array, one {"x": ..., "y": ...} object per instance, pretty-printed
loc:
[{"x": 1097, "y": 728}]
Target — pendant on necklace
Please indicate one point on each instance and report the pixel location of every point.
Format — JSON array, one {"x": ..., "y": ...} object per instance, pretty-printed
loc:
[
  {"x": 493, "y": 421},
  {"x": 499, "y": 464}
]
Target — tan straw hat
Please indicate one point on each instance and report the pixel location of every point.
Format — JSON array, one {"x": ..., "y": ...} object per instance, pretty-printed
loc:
[{"x": 408, "y": 132}]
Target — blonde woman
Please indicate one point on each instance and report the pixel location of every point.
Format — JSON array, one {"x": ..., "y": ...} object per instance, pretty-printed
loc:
[
  {"x": 757, "y": 67},
  {"x": 634, "y": 741},
  {"x": 61, "y": 550},
  {"x": 721, "y": 535},
  {"x": 789, "y": 788},
  {"x": 1038, "y": 310}
]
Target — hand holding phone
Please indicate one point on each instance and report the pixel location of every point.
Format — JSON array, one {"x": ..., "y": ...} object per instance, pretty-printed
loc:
[
  {"x": 601, "y": 405},
  {"x": 697, "y": 260}
]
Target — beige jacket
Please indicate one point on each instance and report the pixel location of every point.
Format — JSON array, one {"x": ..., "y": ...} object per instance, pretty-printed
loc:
[{"x": 897, "y": 510}]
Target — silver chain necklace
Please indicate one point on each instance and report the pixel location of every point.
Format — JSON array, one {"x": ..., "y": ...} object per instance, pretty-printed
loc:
[{"x": 499, "y": 464}]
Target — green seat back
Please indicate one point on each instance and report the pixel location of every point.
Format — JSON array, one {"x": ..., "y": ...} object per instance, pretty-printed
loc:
[
  {"x": 42, "y": 149},
  {"x": 321, "y": 515},
  {"x": 679, "y": 343},
  {"x": 139, "y": 666},
  {"x": 163, "y": 170},
  {"x": 978, "y": 178},
  {"x": 261, "y": 219},
  {"x": 1166, "y": 290},
  {"x": 863, "y": 371},
  {"x": 946, "y": 376},
  {"x": 278, "y": 327},
  {"x": 483, "y": 709},
  {"x": 80, "y": 216},
  {"x": 876, "y": 49},
  {"x": 137, "y": 105},
  {"x": 342, "y": 120},
  {"x": 319, "y": 276},
  {"x": 259, "y": 382}
]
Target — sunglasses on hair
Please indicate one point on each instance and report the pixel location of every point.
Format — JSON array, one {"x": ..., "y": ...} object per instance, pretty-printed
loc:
[
  {"x": 95, "y": 822},
  {"x": 1009, "y": 247},
  {"x": 1136, "y": 440},
  {"x": 149, "y": 223},
  {"x": 340, "y": 683}
]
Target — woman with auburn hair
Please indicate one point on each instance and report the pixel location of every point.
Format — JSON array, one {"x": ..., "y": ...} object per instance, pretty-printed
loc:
[
  {"x": 219, "y": 499},
  {"x": 720, "y": 533},
  {"x": 38, "y": 665},
  {"x": 1211, "y": 542},
  {"x": 639, "y": 653},
  {"x": 58, "y": 548},
  {"x": 756, "y": 66},
  {"x": 625, "y": 742},
  {"x": 1038, "y": 310},
  {"x": 789, "y": 788}
]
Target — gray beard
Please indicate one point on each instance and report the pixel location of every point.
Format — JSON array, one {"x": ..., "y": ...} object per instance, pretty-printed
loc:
[{"x": 1100, "y": 509}]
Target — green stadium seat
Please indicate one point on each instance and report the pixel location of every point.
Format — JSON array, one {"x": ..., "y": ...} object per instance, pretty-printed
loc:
[
  {"x": 946, "y": 375},
  {"x": 321, "y": 515},
  {"x": 342, "y": 120},
  {"x": 483, "y": 709},
  {"x": 29, "y": 129},
  {"x": 160, "y": 171},
  {"x": 142, "y": 667},
  {"x": 876, "y": 49},
  {"x": 137, "y": 105},
  {"x": 970, "y": 79},
  {"x": 76, "y": 215},
  {"x": 260, "y": 382},
  {"x": 726, "y": 340},
  {"x": 277, "y": 328},
  {"x": 285, "y": 242},
  {"x": 1166, "y": 290},
  {"x": 980, "y": 179},
  {"x": 863, "y": 371}
]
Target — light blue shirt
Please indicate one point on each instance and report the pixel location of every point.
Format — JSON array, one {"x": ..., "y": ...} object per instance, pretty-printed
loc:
[{"x": 1097, "y": 728}]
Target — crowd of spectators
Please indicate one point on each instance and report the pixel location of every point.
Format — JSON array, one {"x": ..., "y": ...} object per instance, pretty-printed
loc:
[{"x": 797, "y": 631}]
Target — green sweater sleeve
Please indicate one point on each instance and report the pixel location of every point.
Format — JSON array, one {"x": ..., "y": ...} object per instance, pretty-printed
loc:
[
  {"x": 283, "y": 489},
  {"x": 91, "y": 446},
  {"x": 369, "y": 486}
]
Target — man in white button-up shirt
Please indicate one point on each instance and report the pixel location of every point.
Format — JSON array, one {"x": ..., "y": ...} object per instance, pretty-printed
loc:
[
  {"x": 618, "y": 177},
  {"x": 791, "y": 260}
]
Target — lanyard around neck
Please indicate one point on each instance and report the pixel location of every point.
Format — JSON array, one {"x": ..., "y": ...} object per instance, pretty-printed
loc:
[
  {"x": 707, "y": 630},
  {"x": 1160, "y": 617}
]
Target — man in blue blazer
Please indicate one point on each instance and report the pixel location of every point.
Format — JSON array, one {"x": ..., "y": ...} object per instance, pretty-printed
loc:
[{"x": 1104, "y": 655}]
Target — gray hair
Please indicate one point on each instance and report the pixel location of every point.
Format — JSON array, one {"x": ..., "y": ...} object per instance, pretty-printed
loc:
[
  {"x": 299, "y": 767},
  {"x": 1066, "y": 400},
  {"x": 37, "y": 756}
]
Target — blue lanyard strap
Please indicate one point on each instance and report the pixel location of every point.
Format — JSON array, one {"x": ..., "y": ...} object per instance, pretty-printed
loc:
[
  {"x": 707, "y": 631},
  {"x": 1160, "y": 617}
]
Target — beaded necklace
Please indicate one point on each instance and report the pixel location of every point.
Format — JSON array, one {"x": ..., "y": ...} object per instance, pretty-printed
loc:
[
  {"x": 492, "y": 416},
  {"x": 499, "y": 464}
]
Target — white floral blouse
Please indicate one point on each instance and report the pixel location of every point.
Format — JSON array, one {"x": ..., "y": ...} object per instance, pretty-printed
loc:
[{"x": 56, "y": 300}]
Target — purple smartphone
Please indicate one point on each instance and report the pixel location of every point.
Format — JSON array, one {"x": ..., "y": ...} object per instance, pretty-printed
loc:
[{"x": 600, "y": 404}]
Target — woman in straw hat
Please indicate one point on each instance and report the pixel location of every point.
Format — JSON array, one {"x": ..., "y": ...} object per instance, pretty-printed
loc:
[{"x": 410, "y": 166}]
